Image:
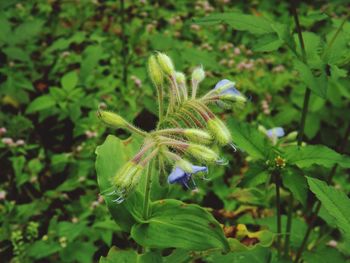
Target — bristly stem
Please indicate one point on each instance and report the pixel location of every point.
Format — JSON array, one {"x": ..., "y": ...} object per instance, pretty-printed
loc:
[
  {"x": 124, "y": 50},
  {"x": 278, "y": 210},
  {"x": 301, "y": 126},
  {"x": 313, "y": 216},
  {"x": 146, "y": 200}
]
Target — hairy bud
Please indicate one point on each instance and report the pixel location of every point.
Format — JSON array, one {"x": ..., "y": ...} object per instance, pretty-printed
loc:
[
  {"x": 219, "y": 130},
  {"x": 202, "y": 153},
  {"x": 198, "y": 136},
  {"x": 112, "y": 119},
  {"x": 180, "y": 78},
  {"x": 165, "y": 64},
  {"x": 184, "y": 165},
  {"x": 198, "y": 74},
  {"x": 126, "y": 180},
  {"x": 155, "y": 71}
]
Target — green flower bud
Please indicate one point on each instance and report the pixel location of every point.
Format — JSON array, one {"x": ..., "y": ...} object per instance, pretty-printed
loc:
[
  {"x": 292, "y": 136},
  {"x": 198, "y": 136},
  {"x": 198, "y": 74},
  {"x": 155, "y": 71},
  {"x": 126, "y": 179},
  {"x": 180, "y": 78},
  {"x": 219, "y": 130},
  {"x": 202, "y": 153},
  {"x": 112, "y": 119},
  {"x": 165, "y": 64},
  {"x": 184, "y": 165}
]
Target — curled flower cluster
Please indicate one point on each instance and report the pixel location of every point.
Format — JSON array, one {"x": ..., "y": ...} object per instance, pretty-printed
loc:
[{"x": 186, "y": 132}]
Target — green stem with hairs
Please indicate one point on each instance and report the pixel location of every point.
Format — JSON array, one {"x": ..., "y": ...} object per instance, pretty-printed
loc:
[
  {"x": 278, "y": 210},
  {"x": 145, "y": 213},
  {"x": 301, "y": 127}
]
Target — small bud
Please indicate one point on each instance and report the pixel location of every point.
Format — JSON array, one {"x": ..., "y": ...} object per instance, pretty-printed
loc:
[
  {"x": 184, "y": 165},
  {"x": 165, "y": 64},
  {"x": 155, "y": 71},
  {"x": 198, "y": 136},
  {"x": 219, "y": 130},
  {"x": 126, "y": 180},
  {"x": 180, "y": 78},
  {"x": 202, "y": 153},
  {"x": 112, "y": 119},
  {"x": 198, "y": 74},
  {"x": 280, "y": 162},
  {"x": 292, "y": 136}
]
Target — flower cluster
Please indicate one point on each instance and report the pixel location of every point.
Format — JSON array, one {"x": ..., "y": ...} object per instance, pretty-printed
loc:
[{"x": 186, "y": 133}]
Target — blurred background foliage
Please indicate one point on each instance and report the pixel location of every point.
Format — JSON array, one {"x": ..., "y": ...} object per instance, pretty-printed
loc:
[{"x": 61, "y": 60}]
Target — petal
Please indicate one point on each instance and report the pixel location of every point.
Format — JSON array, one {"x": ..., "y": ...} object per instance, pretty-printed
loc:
[
  {"x": 176, "y": 175},
  {"x": 275, "y": 132},
  {"x": 230, "y": 90},
  {"x": 197, "y": 169},
  {"x": 221, "y": 83}
]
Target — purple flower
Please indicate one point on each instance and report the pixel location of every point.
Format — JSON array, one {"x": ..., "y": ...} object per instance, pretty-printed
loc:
[
  {"x": 181, "y": 177},
  {"x": 226, "y": 87},
  {"x": 276, "y": 132}
]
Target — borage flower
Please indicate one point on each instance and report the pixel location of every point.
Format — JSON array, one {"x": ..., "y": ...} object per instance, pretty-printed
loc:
[
  {"x": 179, "y": 176},
  {"x": 229, "y": 94},
  {"x": 276, "y": 132}
]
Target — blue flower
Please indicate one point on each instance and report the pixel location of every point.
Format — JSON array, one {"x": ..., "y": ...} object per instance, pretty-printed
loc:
[
  {"x": 230, "y": 97},
  {"x": 179, "y": 176},
  {"x": 276, "y": 132}
]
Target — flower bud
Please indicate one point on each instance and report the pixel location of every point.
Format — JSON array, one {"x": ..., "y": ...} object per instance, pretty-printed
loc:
[
  {"x": 292, "y": 136},
  {"x": 198, "y": 74},
  {"x": 155, "y": 71},
  {"x": 219, "y": 130},
  {"x": 126, "y": 179},
  {"x": 198, "y": 136},
  {"x": 184, "y": 165},
  {"x": 165, "y": 64},
  {"x": 112, "y": 119},
  {"x": 202, "y": 153},
  {"x": 180, "y": 78}
]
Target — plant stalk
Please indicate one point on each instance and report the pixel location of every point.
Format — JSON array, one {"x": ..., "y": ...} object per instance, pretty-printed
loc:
[
  {"x": 146, "y": 201},
  {"x": 124, "y": 51},
  {"x": 301, "y": 126},
  {"x": 278, "y": 208}
]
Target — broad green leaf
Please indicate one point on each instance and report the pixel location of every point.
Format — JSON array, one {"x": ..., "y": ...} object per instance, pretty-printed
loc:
[
  {"x": 116, "y": 255},
  {"x": 296, "y": 183},
  {"x": 318, "y": 85},
  {"x": 249, "y": 139},
  {"x": 41, "y": 103},
  {"x": 174, "y": 224},
  {"x": 111, "y": 156},
  {"x": 309, "y": 155},
  {"x": 69, "y": 80},
  {"x": 323, "y": 254},
  {"x": 334, "y": 201},
  {"x": 178, "y": 256},
  {"x": 267, "y": 43},
  {"x": 250, "y": 23},
  {"x": 91, "y": 56}
]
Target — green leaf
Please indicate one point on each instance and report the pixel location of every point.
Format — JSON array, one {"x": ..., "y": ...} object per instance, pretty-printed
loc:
[
  {"x": 41, "y": 103},
  {"x": 267, "y": 43},
  {"x": 69, "y": 80},
  {"x": 309, "y": 155},
  {"x": 318, "y": 85},
  {"x": 334, "y": 201},
  {"x": 250, "y": 23},
  {"x": 248, "y": 138},
  {"x": 116, "y": 255},
  {"x": 174, "y": 224},
  {"x": 296, "y": 183},
  {"x": 91, "y": 56},
  {"x": 111, "y": 156}
]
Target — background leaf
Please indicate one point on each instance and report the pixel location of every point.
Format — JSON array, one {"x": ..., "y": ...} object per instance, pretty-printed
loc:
[{"x": 176, "y": 224}]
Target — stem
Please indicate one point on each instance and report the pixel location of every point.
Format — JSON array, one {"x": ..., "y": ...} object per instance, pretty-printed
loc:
[
  {"x": 301, "y": 126},
  {"x": 136, "y": 130},
  {"x": 313, "y": 216},
  {"x": 146, "y": 200},
  {"x": 278, "y": 208},
  {"x": 160, "y": 102},
  {"x": 124, "y": 52}
]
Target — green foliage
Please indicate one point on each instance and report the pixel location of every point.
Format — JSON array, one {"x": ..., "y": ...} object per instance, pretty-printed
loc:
[{"x": 334, "y": 201}]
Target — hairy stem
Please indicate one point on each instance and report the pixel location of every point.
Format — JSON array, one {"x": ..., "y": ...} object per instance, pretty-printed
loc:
[
  {"x": 146, "y": 200},
  {"x": 278, "y": 208}
]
